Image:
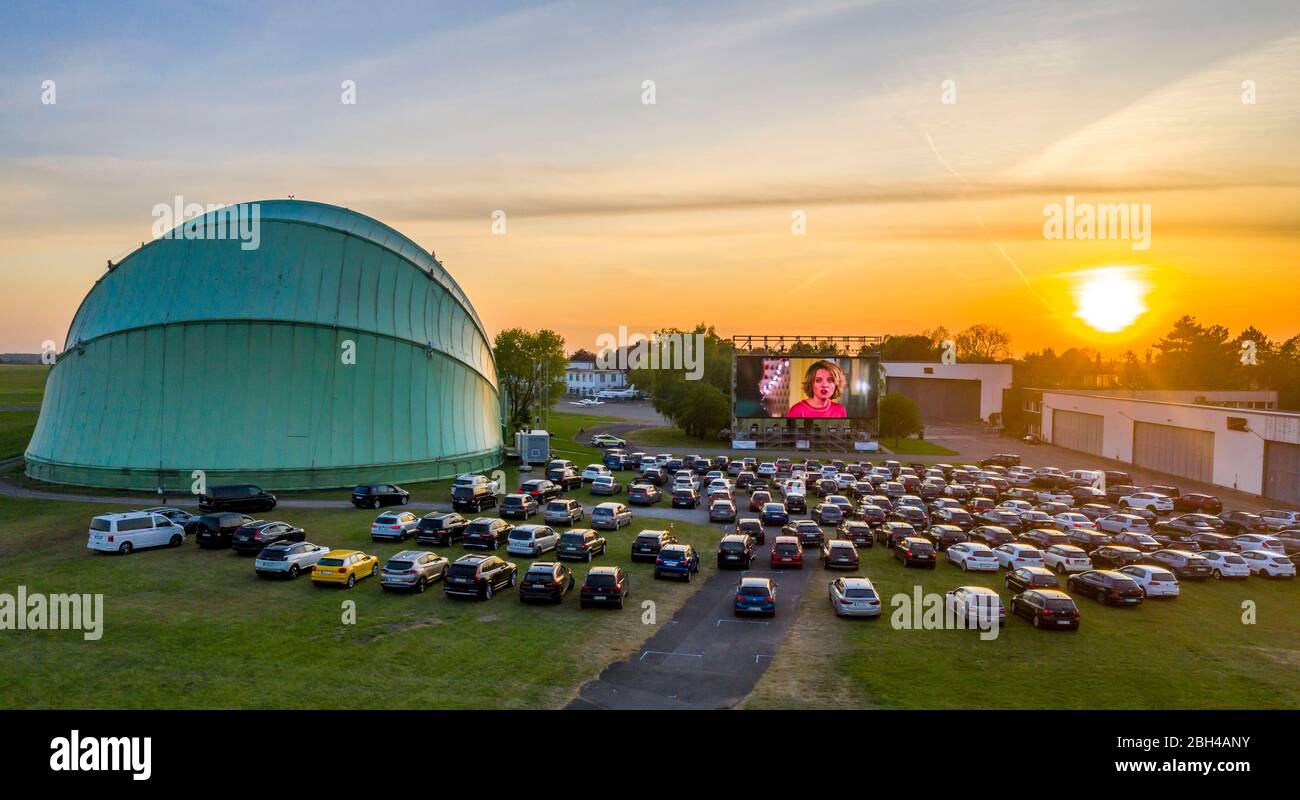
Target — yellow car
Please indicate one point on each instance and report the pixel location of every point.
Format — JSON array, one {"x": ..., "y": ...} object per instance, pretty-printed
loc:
[{"x": 344, "y": 567}]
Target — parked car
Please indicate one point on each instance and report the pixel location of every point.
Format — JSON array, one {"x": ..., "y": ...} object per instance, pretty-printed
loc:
[
  {"x": 1138, "y": 541},
  {"x": 1088, "y": 539},
  {"x": 344, "y": 567},
  {"x": 582, "y": 544},
  {"x": 1063, "y": 558},
  {"x": 787, "y": 552},
  {"x": 594, "y": 471},
  {"x": 914, "y": 550},
  {"x": 441, "y": 528},
  {"x": 736, "y": 550},
  {"x": 1225, "y": 564},
  {"x": 828, "y": 514},
  {"x": 1279, "y": 520},
  {"x": 473, "y": 496},
  {"x": 1114, "y": 556},
  {"x": 531, "y": 540},
  {"x": 944, "y": 536},
  {"x": 1046, "y": 608},
  {"x": 1043, "y": 538},
  {"x": 774, "y": 514},
  {"x": 481, "y": 576},
  {"x": 859, "y": 533},
  {"x": 1268, "y": 564},
  {"x": 975, "y": 606},
  {"x": 647, "y": 544},
  {"x": 133, "y": 530},
  {"x": 1151, "y": 501},
  {"x": 604, "y": 586},
  {"x": 182, "y": 518},
  {"x": 1154, "y": 581},
  {"x": 563, "y": 511},
  {"x": 1001, "y": 460},
  {"x": 1014, "y": 555},
  {"x": 546, "y": 580},
  {"x": 807, "y": 531},
  {"x": 239, "y": 497},
  {"x": 518, "y": 506},
  {"x": 288, "y": 559},
  {"x": 413, "y": 570},
  {"x": 1122, "y": 523},
  {"x": 644, "y": 494},
  {"x": 1070, "y": 520},
  {"x": 374, "y": 495},
  {"x": 1183, "y": 563},
  {"x": 678, "y": 560},
  {"x": 1025, "y": 578},
  {"x": 755, "y": 596},
  {"x": 1239, "y": 522},
  {"x": 722, "y": 511},
  {"x": 992, "y": 535},
  {"x": 753, "y": 528},
  {"x": 839, "y": 554},
  {"x": 1106, "y": 586},
  {"x": 540, "y": 489},
  {"x": 607, "y": 440},
  {"x": 1257, "y": 541},
  {"x": 395, "y": 526},
  {"x": 1206, "y": 540},
  {"x": 854, "y": 596},
  {"x": 893, "y": 531},
  {"x": 218, "y": 530},
  {"x": 973, "y": 556},
  {"x": 610, "y": 516},
  {"x": 250, "y": 539},
  {"x": 486, "y": 532},
  {"x": 606, "y": 485},
  {"x": 1196, "y": 501}
]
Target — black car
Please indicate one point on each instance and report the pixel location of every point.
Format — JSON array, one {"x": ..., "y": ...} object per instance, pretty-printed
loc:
[
  {"x": 824, "y": 487},
  {"x": 1000, "y": 517},
  {"x": 473, "y": 498},
  {"x": 913, "y": 550},
  {"x": 686, "y": 498},
  {"x": 647, "y": 544},
  {"x": 916, "y": 517},
  {"x": 1114, "y": 556},
  {"x": 1208, "y": 541},
  {"x": 479, "y": 576},
  {"x": 1026, "y": 578},
  {"x": 806, "y": 530},
  {"x": 521, "y": 506},
  {"x": 860, "y": 533},
  {"x": 953, "y": 515},
  {"x": 735, "y": 550},
  {"x": 1087, "y": 539},
  {"x": 753, "y": 528},
  {"x": 796, "y": 503},
  {"x": 441, "y": 528},
  {"x": 1239, "y": 522},
  {"x": 1114, "y": 491},
  {"x": 374, "y": 495},
  {"x": 871, "y": 514},
  {"x": 1043, "y": 538},
  {"x": 643, "y": 494},
  {"x": 541, "y": 490},
  {"x": 992, "y": 535},
  {"x": 238, "y": 497},
  {"x": 893, "y": 531},
  {"x": 486, "y": 532},
  {"x": 1001, "y": 460},
  {"x": 1182, "y": 562},
  {"x": 1047, "y": 608},
  {"x": 1138, "y": 541},
  {"x": 944, "y": 536},
  {"x": 566, "y": 479},
  {"x": 218, "y": 530},
  {"x": 654, "y": 476},
  {"x": 604, "y": 586},
  {"x": 250, "y": 538},
  {"x": 1106, "y": 587},
  {"x": 546, "y": 580},
  {"x": 583, "y": 544}
]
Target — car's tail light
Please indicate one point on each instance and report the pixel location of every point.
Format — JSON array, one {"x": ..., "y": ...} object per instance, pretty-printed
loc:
[{"x": 110, "y": 537}]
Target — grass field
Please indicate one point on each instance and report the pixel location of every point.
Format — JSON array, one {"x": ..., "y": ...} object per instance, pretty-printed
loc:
[
  {"x": 189, "y": 628},
  {"x": 22, "y": 384},
  {"x": 16, "y": 431},
  {"x": 672, "y": 437},
  {"x": 1190, "y": 652},
  {"x": 916, "y": 447}
]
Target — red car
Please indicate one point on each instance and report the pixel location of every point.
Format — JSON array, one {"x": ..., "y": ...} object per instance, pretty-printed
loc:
[
  {"x": 1195, "y": 501},
  {"x": 757, "y": 499},
  {"x": 787, "y": 552}
]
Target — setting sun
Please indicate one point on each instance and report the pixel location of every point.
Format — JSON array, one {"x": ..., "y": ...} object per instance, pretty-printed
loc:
[{"x": 1109, "y": 299}]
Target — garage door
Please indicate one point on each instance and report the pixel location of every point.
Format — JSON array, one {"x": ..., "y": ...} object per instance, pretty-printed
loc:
[
  {"x": 1282, "y": 472},
  {"x": 1077, "y": 431},
  {"x": 1178, "y": 451},
  {"x": 940, "y": 398}
]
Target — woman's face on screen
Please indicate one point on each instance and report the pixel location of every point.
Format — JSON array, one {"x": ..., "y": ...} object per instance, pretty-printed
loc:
[{"x": 823, "y": 385}]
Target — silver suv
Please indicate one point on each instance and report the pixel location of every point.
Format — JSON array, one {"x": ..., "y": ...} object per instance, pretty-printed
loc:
[
  {"x": 413, "y": 570},
  {"x": 563, "y": 512}
]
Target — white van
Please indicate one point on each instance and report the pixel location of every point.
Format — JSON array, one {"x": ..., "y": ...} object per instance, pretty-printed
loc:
[
  {"x": 1090, "y": 477},
  {"x": 134, "y": 530}
]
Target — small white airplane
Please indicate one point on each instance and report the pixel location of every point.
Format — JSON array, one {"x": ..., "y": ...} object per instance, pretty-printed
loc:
[
  {"x": 618, "y": 394},
  {"x": 588, "y": 402}
]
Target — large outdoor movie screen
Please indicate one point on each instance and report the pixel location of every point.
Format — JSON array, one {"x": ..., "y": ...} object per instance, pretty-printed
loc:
[{"x": 806, "y": 387}]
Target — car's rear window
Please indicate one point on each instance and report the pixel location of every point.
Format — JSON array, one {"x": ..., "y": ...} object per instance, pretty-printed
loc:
[
  {"x": 573, "y": 538},
  {"x": 600, "y": 579},
  {"x": 331, "y": 562},
  {"x": 398, "y": 566},
  {"x": 386, "y": 521},
  {"x": 786, "y": 549},
  {"x": 273, "y": 555},
  {"x": 732, "y": 547},
  {"x": 98, "y": 524},
  {"x": 463, "y": 571},
  {"x": 513, "y": 501},
  {"x": 479, "y": 527},
  {"x": 1060, "y": 604},
  {"x": 521, "y": 536},
  {"x": 753, "y": 591},
  {"x": 919, "y": 547},
  {"x": 602, "y": 512}
]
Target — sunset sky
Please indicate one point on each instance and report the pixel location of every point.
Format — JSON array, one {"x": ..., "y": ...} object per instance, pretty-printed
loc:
[{"x": 918, "y": 212}]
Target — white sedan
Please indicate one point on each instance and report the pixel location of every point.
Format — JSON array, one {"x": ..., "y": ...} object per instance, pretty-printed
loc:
[
  {"x": 1014, "y": 555},
  {"x": 1155, "y": 581},
  {"x": 1062, "y": 558},
  {"x": 854, "y": 597},
  {"x": 1123, "y": 523},
  {"x": 973, "y": 556},
  {"x": 1272, "y": 565},
  {"x": 1056, "y": 496},
  {"x": 594, "y": 471},
  {"x": 976, "y": 606},
  {"x": 1151, "y": 501},
  {"x": 1258, "y": 541},
  {"x": 1226, "y": 564},
  {"x": 767, "y": 469},
  {"x": 1072, "y": 520}
]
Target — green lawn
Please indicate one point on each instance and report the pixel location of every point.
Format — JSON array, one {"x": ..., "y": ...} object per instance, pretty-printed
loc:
[
  {"x": 672, "y": 437},
  {"x": 916, "y": 447},
  {"x": 16, "y": 431},
  {"x": 188, "y": 628},
  {"x": 1191, "y": 652},
  {"x": 22, "y": 384}
]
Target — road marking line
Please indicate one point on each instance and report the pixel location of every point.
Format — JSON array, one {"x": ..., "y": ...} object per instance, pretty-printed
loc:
[
  {"x": 743, "y": 621},
  {"x": 666, "y": 654}
]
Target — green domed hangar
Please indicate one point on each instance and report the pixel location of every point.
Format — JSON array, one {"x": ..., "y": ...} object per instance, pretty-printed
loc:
[{"x": 337, "y": 351}]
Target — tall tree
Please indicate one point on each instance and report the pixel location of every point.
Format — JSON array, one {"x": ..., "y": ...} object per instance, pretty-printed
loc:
[
  {"x": 899, "y": 416},
  {"x": 983, "y": 343},
  {"x": 530, "y": 368}
]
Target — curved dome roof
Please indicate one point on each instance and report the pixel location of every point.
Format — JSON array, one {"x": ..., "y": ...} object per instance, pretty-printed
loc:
[{"x": 336, "y": 351}]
